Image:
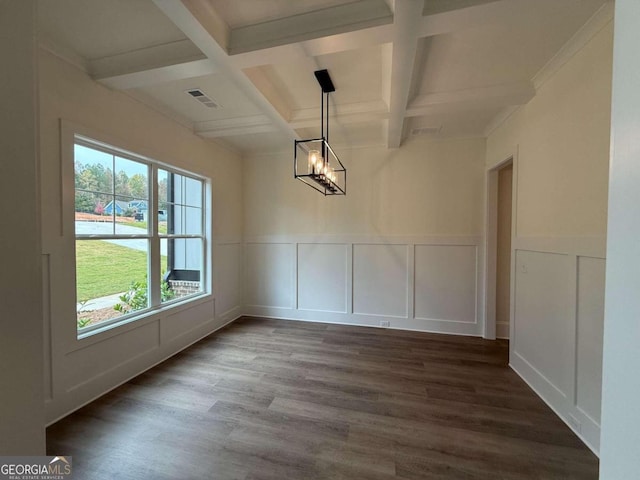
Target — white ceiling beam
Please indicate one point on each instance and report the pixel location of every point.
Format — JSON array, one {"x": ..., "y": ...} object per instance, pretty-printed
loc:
[
  {"x": 494, "y": 96},
  {"x": 192, "y": 24},
  {"x": 385, "y": 73},
  {"x": 237, "y": 131},
  {"x": 312, "y": 48},
  {"x": 362, "y": 112},
  {"x": 178, "y": 60},
  {"x": 211, "y": 20},
  {"x": 350, "y": 16},
  {"x": 438, "y": 6},
  {"x": 501, "y": 12},
  {"x": 447, "y": 22},
  {"x": 408, "y": 14},
  {"x": 157, "y": 76},
  {"x": 143, "y": 59},
  {"x": 422, "y": 54},
  {"x": 167, "y": 62},
  {"x": 227, "y": 127}
]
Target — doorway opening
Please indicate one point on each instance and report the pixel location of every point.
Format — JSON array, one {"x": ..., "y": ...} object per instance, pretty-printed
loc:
[{"x": 500, "y": 230}]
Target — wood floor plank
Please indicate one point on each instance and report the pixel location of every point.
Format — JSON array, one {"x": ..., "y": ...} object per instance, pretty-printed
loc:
[{"x": 267, "y": 399}]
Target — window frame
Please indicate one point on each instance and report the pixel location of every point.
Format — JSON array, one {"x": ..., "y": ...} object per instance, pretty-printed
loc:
[{"x": 153, "y": 236}]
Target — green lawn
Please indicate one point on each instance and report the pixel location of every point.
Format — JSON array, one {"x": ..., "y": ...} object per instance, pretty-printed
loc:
[
  {"x": 103, "y": 268},
  {"x": 162, "y": 226}
]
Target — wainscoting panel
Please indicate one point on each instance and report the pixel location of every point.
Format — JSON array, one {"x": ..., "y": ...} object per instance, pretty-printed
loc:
[
  {"x": 542, "y": 335},
  {"x": 590, "y": 328},
  {"x": 322, "y": 277},
  {"x": 423, "y": 283},
  {"x": 174, "y": 327},
  {"x": 558, "y": 323},
  {"x": 228, "y": 285},
  {"x": 380, "y": 280},
  {"x": 268, "y": 275},
  {"x": 445, "y": 282},
  {"x": 88, "y": 364}
]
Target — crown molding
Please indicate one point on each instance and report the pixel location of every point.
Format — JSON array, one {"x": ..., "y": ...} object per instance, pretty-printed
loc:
[
  {"x": 63, "y": 53},
  {"x": 577, "y": 42},
  {"x": 500, "y": 118}
]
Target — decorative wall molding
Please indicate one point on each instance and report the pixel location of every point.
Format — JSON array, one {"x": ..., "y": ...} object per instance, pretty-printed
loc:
[
  {"x": 565, "y": 303},
  {"x": 391, "y": 281},
  {"x": 583, "y": 246}
]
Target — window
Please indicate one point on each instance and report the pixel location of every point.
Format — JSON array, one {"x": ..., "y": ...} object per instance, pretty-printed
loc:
[{"x": 140, "y": 235}]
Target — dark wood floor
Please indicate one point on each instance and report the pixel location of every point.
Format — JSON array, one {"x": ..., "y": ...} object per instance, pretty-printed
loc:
[{"x": 269, "y": 399}]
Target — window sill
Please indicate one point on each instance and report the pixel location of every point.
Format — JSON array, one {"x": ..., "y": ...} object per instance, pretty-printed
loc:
[{"x": 86, "y": 339}]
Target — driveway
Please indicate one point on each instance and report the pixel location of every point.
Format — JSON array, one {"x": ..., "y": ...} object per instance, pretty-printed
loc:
[{"x": 105, "y": 228}]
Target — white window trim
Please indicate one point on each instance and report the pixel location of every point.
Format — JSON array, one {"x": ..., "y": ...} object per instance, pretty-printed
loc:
[{"x": 153, "y": 235}]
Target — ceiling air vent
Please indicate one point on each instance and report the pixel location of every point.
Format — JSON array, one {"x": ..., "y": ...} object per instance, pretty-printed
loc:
[
  {"x": 425, "y": 131},
  {"x": 200, "y": 96}
]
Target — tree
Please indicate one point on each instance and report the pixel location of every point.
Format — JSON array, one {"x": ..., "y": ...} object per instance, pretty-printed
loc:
[
  {"x": 103, "y": 178},
  {"x": 99, "y": 210},
  {"x": 84, "y": 202},
  {"x": 87, "y": 180},
  {"x": 162, "y": 190},
  {"x": 122, "y": 184},
  {"x": 138, "y": 186}
]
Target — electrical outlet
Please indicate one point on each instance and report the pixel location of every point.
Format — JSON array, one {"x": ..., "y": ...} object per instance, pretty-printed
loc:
[
  {"x": 385, "y": 323},
  {"x": 523, "y": 268},
  {"x": 575, "y": 423}
]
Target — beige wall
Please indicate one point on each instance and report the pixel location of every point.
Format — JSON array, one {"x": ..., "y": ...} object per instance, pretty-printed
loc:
[
  {"x": 21, "y": 345},
  {"x": 79, "y": 370},
  {"x": 560, "y": 141},
  {"x": 562, "y": 138},
  {"x": 423, "y": 188}
]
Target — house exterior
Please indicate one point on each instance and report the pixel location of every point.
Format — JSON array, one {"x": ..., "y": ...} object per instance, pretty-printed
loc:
[
  {"x": 119, "y": 206},
  {"x": 138, "y": 206}
]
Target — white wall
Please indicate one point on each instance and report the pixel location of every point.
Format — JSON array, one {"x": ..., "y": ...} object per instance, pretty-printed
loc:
[
  {"x": 21, "y": 352},
  {"x": 79, "y": 370},
  {"x": 621, "y": 387},
  {"x": 402, "y": 247},
  {"x": 560, "y": 141}
]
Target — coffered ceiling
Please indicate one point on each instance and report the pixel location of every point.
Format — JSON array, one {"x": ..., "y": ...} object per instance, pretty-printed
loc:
[{"x": 440, "y": 68}]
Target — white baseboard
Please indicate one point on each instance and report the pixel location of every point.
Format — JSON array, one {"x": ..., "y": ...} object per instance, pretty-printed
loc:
[
  {"x": 582, "y": 425},
  {"x": 398, "y": 323}
]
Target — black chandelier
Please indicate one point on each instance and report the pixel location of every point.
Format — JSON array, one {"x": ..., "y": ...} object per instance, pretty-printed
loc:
[{"x": 314, "y": 161}]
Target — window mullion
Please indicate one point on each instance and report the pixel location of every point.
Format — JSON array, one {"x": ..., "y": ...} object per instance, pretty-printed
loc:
[{"x": 154, "y": 247}]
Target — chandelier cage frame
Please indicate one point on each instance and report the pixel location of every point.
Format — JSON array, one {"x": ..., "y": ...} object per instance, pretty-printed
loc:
[{"x": 314, "y": 161}]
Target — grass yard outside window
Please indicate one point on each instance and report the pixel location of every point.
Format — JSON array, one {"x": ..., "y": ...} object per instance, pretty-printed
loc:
[{"x": 103, "y": 268}]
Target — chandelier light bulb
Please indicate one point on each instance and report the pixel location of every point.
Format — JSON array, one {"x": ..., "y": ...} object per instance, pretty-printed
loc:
[{"x": 313, "y": 159}]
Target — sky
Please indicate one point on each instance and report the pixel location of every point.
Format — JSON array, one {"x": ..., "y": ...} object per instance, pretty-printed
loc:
[{"x": 86, "y": 155}]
